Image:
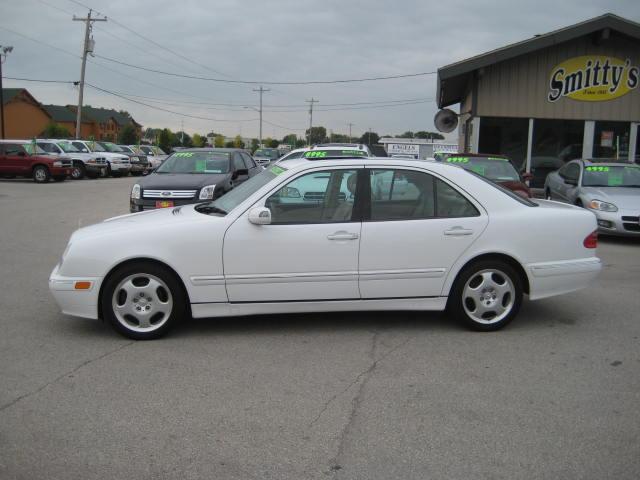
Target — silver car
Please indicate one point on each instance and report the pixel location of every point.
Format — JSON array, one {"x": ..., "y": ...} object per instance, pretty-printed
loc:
[{"x": 611, "y": 190}]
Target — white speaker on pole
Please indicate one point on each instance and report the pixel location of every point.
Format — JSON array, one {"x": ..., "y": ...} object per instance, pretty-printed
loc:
[{"x": 446, "y": 120}]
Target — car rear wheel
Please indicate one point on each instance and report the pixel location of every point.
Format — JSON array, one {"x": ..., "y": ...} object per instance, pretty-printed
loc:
[
  {"x": 486, "y": 296},
  {"x": 78, "y": 171},
  {"x": 143, "y": 301},
  {"x": 41, "y": 174}
]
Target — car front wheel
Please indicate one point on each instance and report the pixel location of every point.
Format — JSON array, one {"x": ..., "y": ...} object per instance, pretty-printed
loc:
[
  {"x": 143, "y": 301},
  {"x": 78, "y": 171},
  {"x": 41, "y": 174},
  {"x": 486, "y": 296}
]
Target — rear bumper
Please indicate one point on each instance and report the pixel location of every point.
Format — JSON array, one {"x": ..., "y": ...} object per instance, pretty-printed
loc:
[
  {"x": 555, "y": 278},
  {"x": 79, "y": 303}
]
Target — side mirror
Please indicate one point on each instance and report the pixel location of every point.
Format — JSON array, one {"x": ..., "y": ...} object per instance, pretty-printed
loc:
[{"x": 260, "y": 216}]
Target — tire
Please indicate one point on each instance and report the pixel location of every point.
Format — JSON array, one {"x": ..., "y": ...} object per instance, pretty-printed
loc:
[
  {"x": 60, "y": 178},
  {"x": 78, "y": 171},
  {"x": 143, "y": 300},
  {"x": 41, "y": 174},
  {"x": 579, "y": 203},
  {"x": 107, "y": 172},
  {"x": 492, "y": 282}
]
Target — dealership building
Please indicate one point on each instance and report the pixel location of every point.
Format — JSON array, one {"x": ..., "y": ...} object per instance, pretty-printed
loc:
[{"x": 571, "y": 93}]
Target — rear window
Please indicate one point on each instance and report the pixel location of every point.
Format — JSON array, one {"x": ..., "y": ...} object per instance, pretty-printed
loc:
[
  {"x": 497, "y": 168},
  {"x": 506, "y": 191}
]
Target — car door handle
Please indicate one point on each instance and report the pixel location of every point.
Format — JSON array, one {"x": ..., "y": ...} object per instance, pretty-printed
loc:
[
  {"x": 458, "y": 232},
  {"x": 342, "y": 235}
]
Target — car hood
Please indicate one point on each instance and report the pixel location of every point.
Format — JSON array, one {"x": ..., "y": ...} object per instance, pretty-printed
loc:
[
  {"x": 173, "y": 181},
  {"x": 111, "y": 155},
  {"x": 621, "y": 197},
  {"x": 142, "y": 224}
]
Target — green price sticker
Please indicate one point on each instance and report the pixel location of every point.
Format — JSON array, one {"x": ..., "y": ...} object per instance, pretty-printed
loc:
[
  {"x": 615, "y": 178},
  {"x": 597, "y": 169},
  {"x": 315, "y": 154},
  {"x": 277, "y": 170},
  {"x": 479, "y": 169},
  {"x": 184, "y": 154},
  {"x": 201, "y": 165},
  {"x": 458, "y": 159}
]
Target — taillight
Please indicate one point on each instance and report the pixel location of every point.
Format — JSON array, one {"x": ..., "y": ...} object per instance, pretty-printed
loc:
[{"x": 592, "y": 240}]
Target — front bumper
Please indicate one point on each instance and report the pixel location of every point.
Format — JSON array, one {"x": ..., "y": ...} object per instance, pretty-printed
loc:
[
  {"x": 140, "y": 167},
  {"x": 79, "y": 303},
  {"x": 60, "y": 171},
  {"x": 620, "y": 223},
  {"x": 96, "y": 168}
]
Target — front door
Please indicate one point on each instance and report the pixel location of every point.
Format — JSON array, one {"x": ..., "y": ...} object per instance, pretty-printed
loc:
[
  {"x": 310, "y": 249},
  {"x": 417, "y": 227},
  {"x": 16, "y": 159}
]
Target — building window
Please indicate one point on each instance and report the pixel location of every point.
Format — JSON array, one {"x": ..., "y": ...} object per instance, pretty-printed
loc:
[
  {"x": 505, "y": 136},
  {"x": 555, "y": 142},
  {"x": 611, "y": 140}
]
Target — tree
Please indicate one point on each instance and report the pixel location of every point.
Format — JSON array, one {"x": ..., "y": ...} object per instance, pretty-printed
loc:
[
  {"x": 182, "y": 139},
  {"x": 340, "y": 138},
  {"x": 369, "y": 138},
  {"x": 218, "y": 142},
  {"x": 229, "y": 144},
  {"x": 237, "y": 142},
  {"x": 54, "y": 130},
  {"x": 290, "y": 139},
  {"x": 271, "y": 143},
  {"x": 429, "y": 135},
  {"x": 128, "y": 135},
  {"x": 198, "y": 140},
  {"x": 318, "y": 135},
  {"x": 406, "y": 135},
  {"x": 165, "y": 139}
]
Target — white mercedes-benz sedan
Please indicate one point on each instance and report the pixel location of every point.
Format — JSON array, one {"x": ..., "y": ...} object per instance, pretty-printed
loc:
[{"x": 330, "y": 234}]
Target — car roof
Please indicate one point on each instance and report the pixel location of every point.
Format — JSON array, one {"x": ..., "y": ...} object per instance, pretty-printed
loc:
[
  {"x": 211, "y": 149},
  {"x": 14, "y": 140},
  {"x": 303, "y": 163},
  {"x": 477, "y": 155},
  {"x": 608, "y": 162}
]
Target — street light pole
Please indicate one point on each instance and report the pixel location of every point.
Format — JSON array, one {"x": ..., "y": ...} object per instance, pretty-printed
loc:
[
  {"x": 350, "y": 125},
  {"x": 310, "y": 102},
  {"x": 3, "y": 54}
]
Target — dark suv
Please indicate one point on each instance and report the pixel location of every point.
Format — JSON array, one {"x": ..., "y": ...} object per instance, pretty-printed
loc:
[
  {"x": 21, "y": 158},
  {"x": 193, "y": 175}
]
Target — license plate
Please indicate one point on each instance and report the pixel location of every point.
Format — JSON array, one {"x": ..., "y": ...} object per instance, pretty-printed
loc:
[{"x": 164, "y": 203}]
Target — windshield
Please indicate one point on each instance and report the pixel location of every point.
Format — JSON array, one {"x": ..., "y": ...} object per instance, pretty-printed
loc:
[
  {"x": 95, "y": 146},
  {"x": 127, "y": 149},
  {"x": 235, "y": 197},
  {"x": 32, "y": 149},
  {"x": 611, "y": 176},
  {"x": 196, "y": 162},
  {"x": 111, "y": 147},
  {"x": 146, "y": 149},
  {"x": 498, "y": 169},
  {"x": 266, "y": 153},
  {"x": 67, "y": 147}
]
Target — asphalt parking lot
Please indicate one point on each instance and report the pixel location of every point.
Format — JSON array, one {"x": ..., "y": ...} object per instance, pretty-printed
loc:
[{"x": 353, "y": 396}]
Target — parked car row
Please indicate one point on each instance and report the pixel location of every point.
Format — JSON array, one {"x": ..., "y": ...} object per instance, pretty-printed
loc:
[{"x": 41, "y": 159}]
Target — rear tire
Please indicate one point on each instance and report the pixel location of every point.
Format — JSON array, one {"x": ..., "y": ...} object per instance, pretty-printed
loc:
[
  {"x": 78, "y": 172},
  {"x": 41, "y": 174},
  {"x": 143, "y": 300},
  {"x": 486, "y": 296}
]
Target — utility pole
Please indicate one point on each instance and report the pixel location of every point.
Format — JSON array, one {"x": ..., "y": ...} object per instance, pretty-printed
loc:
[
  {"x": 310, "y": 102},
  {"x": 182, "y": 132},
  {"x": 88, "y": 48},
  {"x": 350, "y": 125},
  {"x": 261, "y": 91},
  {"x": 3, "y": 56}
]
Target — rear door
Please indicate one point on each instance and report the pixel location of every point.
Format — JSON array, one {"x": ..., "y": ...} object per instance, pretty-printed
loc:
[{"x": 417, "y": 226}]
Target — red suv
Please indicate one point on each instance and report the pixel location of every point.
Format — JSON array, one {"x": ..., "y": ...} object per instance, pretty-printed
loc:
[
  {"x": 25, "y": 159},
  {"x": 497, "y": 168}
]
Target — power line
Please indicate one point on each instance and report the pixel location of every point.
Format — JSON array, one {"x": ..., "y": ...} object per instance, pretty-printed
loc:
[
  {"x": 265, "y": 82},
  {"x": 74, "y": 82}
]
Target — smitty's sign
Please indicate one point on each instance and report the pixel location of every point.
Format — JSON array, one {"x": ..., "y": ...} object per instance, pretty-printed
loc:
[{"x": 593, "y": 78}]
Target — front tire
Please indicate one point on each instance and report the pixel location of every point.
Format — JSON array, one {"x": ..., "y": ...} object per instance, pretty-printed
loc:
[
  {"x": 143, "y": 300},
  {"x": 79, "y": 171},
  {"x": 486, "y": 296},
  {"x": 41, "y": 174}
]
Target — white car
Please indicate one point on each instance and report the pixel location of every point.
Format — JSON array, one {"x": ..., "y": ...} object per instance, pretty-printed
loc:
[
  {"x": 118, "y": 164},
  {"x": 92, "y": 165},
  {"x": 451, "y": 240}
]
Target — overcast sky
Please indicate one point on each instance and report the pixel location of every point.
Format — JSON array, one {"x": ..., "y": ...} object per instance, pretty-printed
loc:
[{"x": 279, "y": 40}]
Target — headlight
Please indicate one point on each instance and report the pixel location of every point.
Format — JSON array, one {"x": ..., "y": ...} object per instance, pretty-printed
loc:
[
  {"x": 604, "y": 206},
  {"x": 57, "y": 163},
  {"x": 135, "y": 192},
  {"x": 206, "y": 193}
]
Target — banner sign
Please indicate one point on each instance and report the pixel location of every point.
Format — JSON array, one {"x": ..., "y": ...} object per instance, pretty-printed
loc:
[
  {"x": 593, "y": 78},
  {"x": 407, "y": 148}
]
